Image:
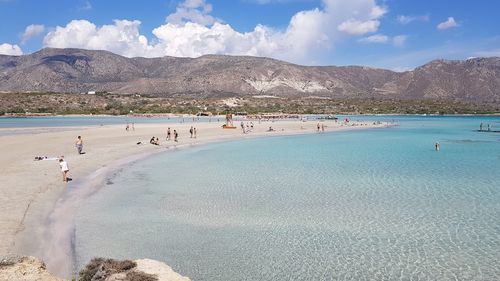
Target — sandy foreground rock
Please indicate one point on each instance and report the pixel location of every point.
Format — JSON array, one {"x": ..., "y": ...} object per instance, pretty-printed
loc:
[
  {"x": 33, "y": 269},
  {"x": 26, "y": 269},
  {"x": 159, "y": 269}
]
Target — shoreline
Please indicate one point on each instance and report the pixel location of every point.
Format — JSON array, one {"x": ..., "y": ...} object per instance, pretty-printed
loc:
[
  {"x": 179, "y": 115},
  {"x": 28, "y": 212}
]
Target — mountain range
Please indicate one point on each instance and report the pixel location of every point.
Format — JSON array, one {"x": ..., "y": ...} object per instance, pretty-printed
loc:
[{"x": 78, "y": 70}]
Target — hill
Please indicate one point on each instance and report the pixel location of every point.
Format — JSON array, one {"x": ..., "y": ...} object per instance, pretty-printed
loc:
[{"x": 77, "y": 70}]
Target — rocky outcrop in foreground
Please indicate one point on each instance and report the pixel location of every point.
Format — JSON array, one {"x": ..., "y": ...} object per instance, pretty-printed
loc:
[
  {"x": 26, "y": 269},
  {"x": 99, "y": 269}
]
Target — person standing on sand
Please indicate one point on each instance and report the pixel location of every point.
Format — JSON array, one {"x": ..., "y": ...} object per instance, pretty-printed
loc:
[
  {"x": 79, "y": 144},
  {"x": 191, "y": 132},
  {"x": 317, "y": 126},
  {"x": 194, "y": 130},
  {"x": 323, "y": 127},
  {"x": 175, "y": 136},
  {"x": 64, "y": 169},
  {"x": 126, "y": 127},
  {"x": 168, "y": 134}
]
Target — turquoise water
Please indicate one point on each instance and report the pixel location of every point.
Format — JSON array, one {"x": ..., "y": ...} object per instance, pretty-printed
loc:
[{"x": 377, "y": 204}]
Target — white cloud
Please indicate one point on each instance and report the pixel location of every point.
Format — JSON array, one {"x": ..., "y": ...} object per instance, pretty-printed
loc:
[
  {"x": 194, "y": 40},
  {"x": 397, "y": 41},
  {"x": 197, "y": 11},
  {"x": 357, "y": 27},
  {"x": 11, "y": 50},
  {"x": 31, "y": 31},
  {"x": 405, "y": 19},
  {"x": 361, "y": 16},
  {"x": 376, "y": 38},
  {"x": 191, "y": 31},
  {"x": 377, "y": 12},
  {"x": 449, "y": 23},
  {"x": 402, "y": 19},
  {"x": 400, "y": 40},
  {"x": 122, "y": 37}
]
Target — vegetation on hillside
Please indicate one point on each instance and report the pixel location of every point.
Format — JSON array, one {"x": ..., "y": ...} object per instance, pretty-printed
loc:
[{"x": 120, "y": 104}]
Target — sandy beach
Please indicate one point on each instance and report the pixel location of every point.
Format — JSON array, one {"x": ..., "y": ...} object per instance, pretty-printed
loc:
[{"x": 29, "y": 189}]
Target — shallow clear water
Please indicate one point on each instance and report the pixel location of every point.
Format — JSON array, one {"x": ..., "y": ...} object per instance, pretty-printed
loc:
[
  {"x": 66, "y": 121},
  {"x": 376, "y": 204},
  {"x": 37, "y": 125}
]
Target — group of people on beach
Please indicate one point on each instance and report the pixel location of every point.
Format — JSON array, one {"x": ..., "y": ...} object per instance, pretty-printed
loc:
[
  {"x": 175, "y": 134},
  {"x": 248, "y": 128},
  {"x": 130, "y": 127},
  {"x": 169, "y": 135},
  {"x": 154, "y": 141},
  {"x": 192, "y": 132},
  {"x": 62, "y": 162}
]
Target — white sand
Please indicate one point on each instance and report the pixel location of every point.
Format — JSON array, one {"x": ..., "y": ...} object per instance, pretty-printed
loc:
[{"x": 29, "y": 189}]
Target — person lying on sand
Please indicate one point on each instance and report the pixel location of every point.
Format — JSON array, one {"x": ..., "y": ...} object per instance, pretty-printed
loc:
[{"x": 40, "y": 158}]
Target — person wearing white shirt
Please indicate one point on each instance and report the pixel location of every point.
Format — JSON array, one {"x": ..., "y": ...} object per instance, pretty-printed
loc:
[{"x": 64, "y": 169}]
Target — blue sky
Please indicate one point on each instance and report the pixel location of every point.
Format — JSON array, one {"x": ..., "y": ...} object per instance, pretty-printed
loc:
[{"x": 393, "y": 34}]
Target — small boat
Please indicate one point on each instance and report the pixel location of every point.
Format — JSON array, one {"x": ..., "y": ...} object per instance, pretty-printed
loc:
[{"x": 228, "y": 127}]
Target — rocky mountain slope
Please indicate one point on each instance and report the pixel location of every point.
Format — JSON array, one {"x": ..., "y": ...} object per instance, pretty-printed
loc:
[{"x": 76, "y": 70}]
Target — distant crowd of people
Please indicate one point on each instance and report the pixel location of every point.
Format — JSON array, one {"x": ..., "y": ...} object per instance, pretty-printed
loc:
[{"x": 173, "y": 135}]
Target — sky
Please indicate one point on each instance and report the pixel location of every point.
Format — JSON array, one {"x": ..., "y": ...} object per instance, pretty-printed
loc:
[{"x": 393, "y": 34}]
